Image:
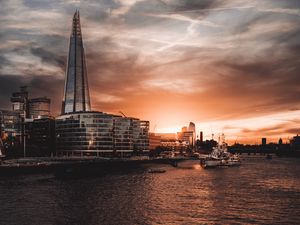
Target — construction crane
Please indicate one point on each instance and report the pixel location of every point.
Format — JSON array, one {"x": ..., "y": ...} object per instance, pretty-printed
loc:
[{"x": 123, "y": 114}]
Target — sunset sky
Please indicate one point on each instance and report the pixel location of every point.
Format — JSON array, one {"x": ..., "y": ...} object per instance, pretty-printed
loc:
[{"x": 229, "y": 66}]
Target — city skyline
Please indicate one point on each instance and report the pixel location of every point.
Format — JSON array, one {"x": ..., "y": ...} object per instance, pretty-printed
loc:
[{"x": 229, "y": 66}]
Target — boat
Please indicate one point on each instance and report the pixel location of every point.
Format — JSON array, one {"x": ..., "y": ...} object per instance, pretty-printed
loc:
[
  {"x": 269, "y": 156},
  {"x": 234, "y": 160},
  {"x": 156, "y": 170},
  {"x": 220, "y": 157}
]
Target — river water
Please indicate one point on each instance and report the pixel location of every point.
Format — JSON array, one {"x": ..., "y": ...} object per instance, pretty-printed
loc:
[{"x": 258, "y": 192}]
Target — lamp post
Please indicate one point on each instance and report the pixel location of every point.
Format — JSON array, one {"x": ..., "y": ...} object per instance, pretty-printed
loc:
[{"x": 24, "y": 127}]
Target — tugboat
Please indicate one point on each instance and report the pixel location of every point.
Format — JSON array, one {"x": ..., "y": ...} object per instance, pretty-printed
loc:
[{"x": 220, "y": 157}]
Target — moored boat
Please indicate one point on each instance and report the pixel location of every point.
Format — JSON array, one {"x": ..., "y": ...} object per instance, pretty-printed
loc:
[
  {"x": 156, "y": 170},
  {"x": 220, "y": 157}
]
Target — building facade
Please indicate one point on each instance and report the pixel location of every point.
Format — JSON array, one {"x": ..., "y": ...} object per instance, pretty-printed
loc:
[
  {"x": 100, "y": 134},
  {"x": 10, "y": 131},
  {"x": 40, "y": 137},
  {"x": 154, "y": 141}
]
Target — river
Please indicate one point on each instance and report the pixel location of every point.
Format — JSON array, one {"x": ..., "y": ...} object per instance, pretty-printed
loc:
[{"x": 260, "y": 191}]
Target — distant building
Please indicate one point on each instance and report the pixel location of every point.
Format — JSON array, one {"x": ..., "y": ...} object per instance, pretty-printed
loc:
[
  {"x": 183, "y": 129},
  {"x": 30, "y": 108},
  {"x": 154, "y": 141},
  {"x": 19, "y": 101},
  {"x": 192, "y": 127},
  {"x": 264, "y": 141},
  {"x": 187, "y": 135},
  {"x": 201, "y": 137},
  {"x": 39, "y": 107}
]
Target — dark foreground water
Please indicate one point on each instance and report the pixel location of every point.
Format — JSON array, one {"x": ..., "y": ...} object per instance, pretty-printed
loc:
[{"x": 259, "y": 192}]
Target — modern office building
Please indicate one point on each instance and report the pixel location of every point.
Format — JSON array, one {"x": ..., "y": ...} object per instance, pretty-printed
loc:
[
  {"x": 100, "y": 134},
  {"x": 187, "y": 134},
  {"x": 76, "y": 95},
  {"x": 39, "y": 107}
]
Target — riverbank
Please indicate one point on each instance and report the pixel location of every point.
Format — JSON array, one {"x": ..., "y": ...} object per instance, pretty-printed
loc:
[{"x": 61, "y": 166}]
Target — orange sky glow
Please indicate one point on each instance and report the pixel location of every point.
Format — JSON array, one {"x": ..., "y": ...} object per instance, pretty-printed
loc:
[{"x": 229, "y": 66}]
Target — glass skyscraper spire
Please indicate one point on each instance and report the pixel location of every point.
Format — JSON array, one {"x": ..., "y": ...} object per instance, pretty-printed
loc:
[{"x": 76, "y": 95}]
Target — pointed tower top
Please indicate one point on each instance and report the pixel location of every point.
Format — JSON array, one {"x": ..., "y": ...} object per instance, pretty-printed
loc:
[
  {"x": 76, "y": 14},
  {"x": 76, "y": 30}
]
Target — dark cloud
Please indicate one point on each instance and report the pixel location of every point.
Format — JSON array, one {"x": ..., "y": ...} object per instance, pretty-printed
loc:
[
  {"x": 191, "y": 5},
  {"x": 49, "y": 57},
  {"x": 37, "y": 86},
  {"x": 3, "y": 62},
  {"x": 289, "y": 4}
]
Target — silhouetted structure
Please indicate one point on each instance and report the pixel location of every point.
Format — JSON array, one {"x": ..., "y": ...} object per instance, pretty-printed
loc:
[
  {"x": 264, "y": 141},
  {"x": 40, "y": 137},
  {"x": 201, "y": 137}
]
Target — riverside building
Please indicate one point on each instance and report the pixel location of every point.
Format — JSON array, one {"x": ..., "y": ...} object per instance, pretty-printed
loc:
[{"x": 80, "y": 131}]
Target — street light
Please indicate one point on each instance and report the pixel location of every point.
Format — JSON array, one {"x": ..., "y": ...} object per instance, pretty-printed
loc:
[{"x": 24, "y": 127}]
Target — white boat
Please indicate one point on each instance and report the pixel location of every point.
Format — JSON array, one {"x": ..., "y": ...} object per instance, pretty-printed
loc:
[
  {"x": 220, "y": 157},
  {"x": 210, "y": 162},
  {"x": 234, "y": 160}
]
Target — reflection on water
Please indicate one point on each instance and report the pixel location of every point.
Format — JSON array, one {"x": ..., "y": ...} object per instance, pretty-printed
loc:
[{"x": 259, "y": 191}]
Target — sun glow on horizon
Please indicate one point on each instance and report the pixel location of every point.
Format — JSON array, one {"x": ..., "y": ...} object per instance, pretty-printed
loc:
[{"x": 249, "y": 130}]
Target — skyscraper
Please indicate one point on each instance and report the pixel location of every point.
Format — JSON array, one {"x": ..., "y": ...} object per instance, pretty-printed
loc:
[
  {"x": 80, "y": 131},
  {"x": 76, "y": 95}
]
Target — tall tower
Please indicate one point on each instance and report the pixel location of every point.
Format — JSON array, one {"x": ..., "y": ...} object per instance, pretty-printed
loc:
[{"x": 76, "y": 94}]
